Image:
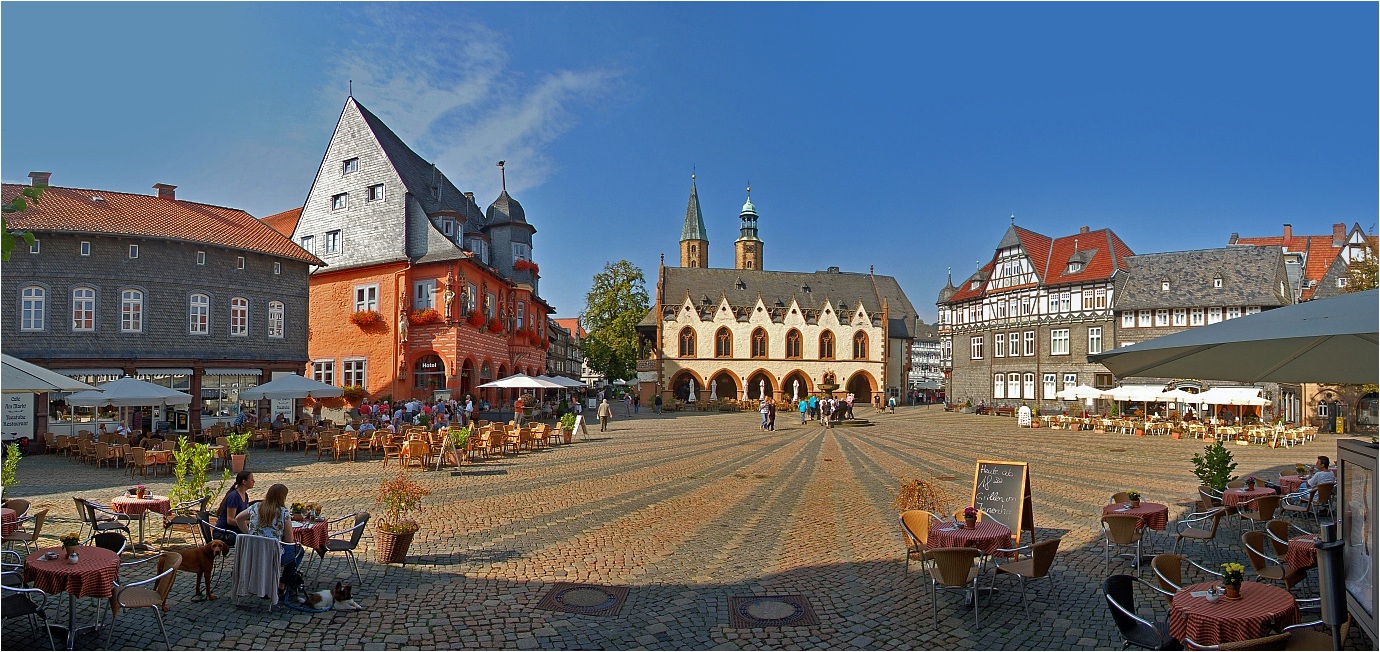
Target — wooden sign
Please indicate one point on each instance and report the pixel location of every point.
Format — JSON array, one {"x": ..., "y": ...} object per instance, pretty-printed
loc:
[{"x": 1002, "y": 489}]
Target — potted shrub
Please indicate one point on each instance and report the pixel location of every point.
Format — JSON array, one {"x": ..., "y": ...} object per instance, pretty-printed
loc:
[
  {"x": 1214, "y": 466},
  {"x": 567, "y": 427},
  {"x": 460, "y": 437},
  {"x": 928, "y": 495},
  {"x": 401, "y": 499},
  {"x": 236, "y": 445},
  {"x": 1176, "y": 431},
  {"x": 1134, "y": 497},
  {"x": 9, "y": 471}
]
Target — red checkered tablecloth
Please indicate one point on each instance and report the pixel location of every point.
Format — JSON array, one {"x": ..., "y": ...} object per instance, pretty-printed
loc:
[
  {"x": 1235, "y": 497},
  {"x": 1289, "y": 483},
  {"x": 1303, "y": 551},
  {"x": 986, "y": 536},
  {"x": 127, "y": 504},
  {"x": 1261, "y": 607},
  {"x": 9, "y": 521},
  {"x": 312, "y": 535},
  {"x": 90, "y": 577},
  {"x": 1152, "y": 515}
]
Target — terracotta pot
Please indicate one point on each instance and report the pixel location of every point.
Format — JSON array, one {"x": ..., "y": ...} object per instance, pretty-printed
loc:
[
  {"x": 1140, "y": 432},
  {"x": 393, "y": 547},
  {"x": 1135, "y": 504},
  {"x": 1176, "y": 435},
  {"x": 567, "y": 435},
  {"x": 237, "y": 462},
  {"x": 1233, "y": 591},
  {"x": 969, "y": 523}
]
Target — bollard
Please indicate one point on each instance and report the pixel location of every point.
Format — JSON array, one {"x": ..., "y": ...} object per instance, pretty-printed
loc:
[{"x": 1332, "y": 582}]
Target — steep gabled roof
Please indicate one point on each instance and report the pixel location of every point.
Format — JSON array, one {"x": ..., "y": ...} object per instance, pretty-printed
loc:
[
  {"x": 1320, "y": 252},
  {"x": 1101, "y": 252},
  {"x": 284, "y": 222},
  {"x": 1251, "y": 276},
  {"x": 78, "y": 210},
  {"x": 420, "y": 177}
]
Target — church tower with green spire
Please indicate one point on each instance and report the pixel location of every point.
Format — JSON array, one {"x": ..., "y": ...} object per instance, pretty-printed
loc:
[
  {"x": 748, "y": 247},
  {"x": 694, "y": 240}
]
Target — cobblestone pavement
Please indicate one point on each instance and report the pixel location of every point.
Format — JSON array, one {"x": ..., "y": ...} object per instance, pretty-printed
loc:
[{"x": 689, "y": 510}]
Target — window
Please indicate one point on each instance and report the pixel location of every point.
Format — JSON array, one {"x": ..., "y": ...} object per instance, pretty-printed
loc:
[
  {"x": 1028, "y": 386},
  {"x": 1214, "y": 315},
  {"x": 131, "y": 311},
  {"x": 199, "y": 314},
  {"x": 793, "y": 344},
  {"x": 340, "y": 202},
  {"x": 350, "y": 166},
  {"x": 1013, "y": 342},
  {"x": 277, "y": 269},
  {"x": 1048, "y": 382},
  {"x": 375, "y": 193},
  {"x": 366, "y": 297},
  {"x": 860, "y": 346},
  {"x": 1252, "y": 310},
  {"x": 687, "y": 342},
  {"x": 355, "y": 371},
  {"x": 1217, "y": 281},
  {"x": 1065, "y": 301},
  {"x": 33, "y": 248},
  {"x": 1233, "y": 312},
  {"x": 1195, "y": 317},
  {"x": 275, "y": 319},
  {"x": 826, "y": 345},
  {"x": 480, "y": 247},
  {"x": 1013, "y": 385},
  {"x": 1102, "y": 381},
  {"x": 201, "y": 258},
  {"x": 1143, "y": 318},
  {"x": 1128, "y": 319},
  {"x": 1100, "y": 298},
  {"x": 1324, "y": 410},
  {"x": 1029, "y": 343},
  {"x": 759, "y": 343},
  {"x": 467, "y": 300},
  {"x": 999, "y": 350},
  {"x": 521, "y": 312},
  {"x": 1342, "y": 281},
  {"x": 448, "y": 227},
  {"x": 83, "y": 309},
  {"x": 1180, "y": 316},
  {"x": 1162, "y": 317},
  {"x": 723, "y": 343},
  {"x": 522, "y": 251},
  {"x": 323, "y": 371},
  {"x": 333, "y": 242},
  {"x": 1164, "y": 286},
  {"x": 1070, "y": 381},
  {"x": 32, "y": 308},
  {"x": 1075, "y": 267},
  {"x": 309, "y": 243},
  {"x": 999, "y": 386},
  {"x": 1059, "y": 341},
  {"x": 239, "y": 317},
  {"x": 977, "y": 347},
  {"x": 134, "y": 251},
  {"x": 490, "y": 305},
  {"x": 239, "y": 262},
  {"x": 85, "y": 248},
  {"x": 1094, "y": 339},
  {"x": 424, "y": 294}
]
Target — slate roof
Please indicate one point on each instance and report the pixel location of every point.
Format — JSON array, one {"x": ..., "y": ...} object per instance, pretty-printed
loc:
[
  {"x": 76, "y": 210},
  {"x": 742, "y": 287},
  {"x": 1320, "y": 252},
  {"x": 505, "y": 210},
  {"x": 1251, "y": 276},
  {"x": 694, "y": 220},
  {"x": 1101, "y": 252}
]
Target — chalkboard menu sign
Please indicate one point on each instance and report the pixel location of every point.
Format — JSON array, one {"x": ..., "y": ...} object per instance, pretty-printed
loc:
[{"x": 1002, "y": 489}]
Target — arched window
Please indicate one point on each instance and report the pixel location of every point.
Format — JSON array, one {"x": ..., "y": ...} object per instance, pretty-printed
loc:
[
  {"x": 793, "y": 344},
  {"x": 199, "y": 314},
  {"x": 759, "y": 343},
  {"x": 687, "y": 342},
  {"x": 723, "y": 343},
  {"x": 32, "y": 308},
  {"x": 826, "y": 345},
  {"x": 860, "y": 346},
  {"x": 239, "y": 316},
  {"x": 83, "y": 309},
  {"x": 429, "y": 373}
]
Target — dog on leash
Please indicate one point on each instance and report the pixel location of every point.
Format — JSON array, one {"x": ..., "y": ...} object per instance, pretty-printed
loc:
[
  {"x": 201, "y": 561},
  {"x": 338, "y": 598}
]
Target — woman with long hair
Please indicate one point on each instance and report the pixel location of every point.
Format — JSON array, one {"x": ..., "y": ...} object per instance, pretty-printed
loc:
[
  {"x": 235, "y": 501},
  {"x": 270, "y": 518}
]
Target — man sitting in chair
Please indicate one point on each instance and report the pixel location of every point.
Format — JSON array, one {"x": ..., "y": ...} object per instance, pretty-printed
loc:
[{"x": 1321, "y": 475}]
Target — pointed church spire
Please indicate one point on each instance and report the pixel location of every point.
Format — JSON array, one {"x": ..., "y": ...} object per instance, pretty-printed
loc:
[{"x": 694, "y": 239}]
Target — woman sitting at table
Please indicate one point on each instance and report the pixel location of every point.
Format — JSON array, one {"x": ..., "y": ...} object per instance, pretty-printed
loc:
[
  {"x": 269, "y": 518},
  {"x": 235, "y": 501}
]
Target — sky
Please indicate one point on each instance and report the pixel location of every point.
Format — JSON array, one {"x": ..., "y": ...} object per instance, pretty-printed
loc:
[{"x": 900, "y": 136}]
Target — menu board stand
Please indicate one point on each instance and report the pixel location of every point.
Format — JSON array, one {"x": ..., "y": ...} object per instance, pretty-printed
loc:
[{"x": 1002, "y": 489}]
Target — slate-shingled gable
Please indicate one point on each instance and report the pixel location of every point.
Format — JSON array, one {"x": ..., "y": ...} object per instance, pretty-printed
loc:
[{"x": 1251, "y": 276}]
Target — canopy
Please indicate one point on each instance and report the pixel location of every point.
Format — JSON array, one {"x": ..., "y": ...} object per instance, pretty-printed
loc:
[
  {"x": 1079, "y": 392},
  {"x": 126, "y": 392},
  {"x": 1138, "y": 393},
  {"x": 291, "y": 386},
  {"x": 20, "y": 377},
  {"x": 562, "y": 381},
  {"x": 522, "y": 381},
  {"x": 1330, "y": 340},
  {"x": 1180, "y": 396},
  {"x": 1231, "y": 396}
]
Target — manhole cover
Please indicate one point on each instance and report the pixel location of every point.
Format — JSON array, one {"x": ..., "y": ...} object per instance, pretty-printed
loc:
[
  {"x": 747, "y": 612},
  {"x": 587, "y": 599}
]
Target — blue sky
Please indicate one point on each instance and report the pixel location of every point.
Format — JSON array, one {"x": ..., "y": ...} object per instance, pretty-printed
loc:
[{"x": 897, "y": 135}]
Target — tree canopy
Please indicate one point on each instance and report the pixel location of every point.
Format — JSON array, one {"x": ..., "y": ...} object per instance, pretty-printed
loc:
[
  {"x": 1361, "y": 272},
  {"x": 615, "y": 303}
]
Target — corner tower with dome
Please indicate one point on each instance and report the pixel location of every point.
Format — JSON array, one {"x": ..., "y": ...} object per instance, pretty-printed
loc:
[
  {"x": 422, "y": 292},
  {"x": 744, "y": 333}
]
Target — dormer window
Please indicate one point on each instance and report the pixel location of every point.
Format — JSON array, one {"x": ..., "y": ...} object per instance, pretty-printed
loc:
[
  {"x": 1164, "y": 286},
  {"x": 1075, "y": 267},
  {"x": 350, "y": 166},
  {"x": 1216, "y": 281},
  {"x": 973, "y": 285}
]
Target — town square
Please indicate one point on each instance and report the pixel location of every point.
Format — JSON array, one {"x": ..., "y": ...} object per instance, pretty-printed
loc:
[{"x": 582, "y": 325}]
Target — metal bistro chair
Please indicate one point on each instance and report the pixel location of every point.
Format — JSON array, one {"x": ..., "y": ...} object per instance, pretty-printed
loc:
[
  {"x": 1265, "y": 565},
  {"x": 1200, "y": 526},
  {"x": 347, "y": 546},
  {"x": 1168, "y": 569},
  {"x": 1121, "y": 600},
  {"x": 133, "y": 595},
  {"x": 184, "y": 514},
  {"x": 953, "y": 569},
  {"x": 1309, "y": 502},
  {"x": 26, "y": 538},
  {"x": 17, "y": 601},
  {"x": 1258, "y": 510},
  {"x": 1034, "y": 567}
]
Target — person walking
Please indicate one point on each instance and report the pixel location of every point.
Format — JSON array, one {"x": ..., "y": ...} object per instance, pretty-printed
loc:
[
  {"x": 627, "y": 405},
  {"x": 826, "y": 411},
  {"x": 637, "y": 403},
  {"x": 657, "y": 402},
  {"x": 804, "y": 406},
  {"x": 605, "y": 413},
  {"x": 766, "y": 411},
  {"x": 814, "y": 407},
  {"x": 771, "y": 416},
  {"x": 891, "y": 405}
]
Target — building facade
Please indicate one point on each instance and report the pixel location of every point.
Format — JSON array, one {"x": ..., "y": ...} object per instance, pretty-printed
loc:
[
  {"x": 203, "y": 299},
  {"x": 425, "y": 293},
  {"x": 564, "y": 357},
  {"x": 926, "y": 364}
]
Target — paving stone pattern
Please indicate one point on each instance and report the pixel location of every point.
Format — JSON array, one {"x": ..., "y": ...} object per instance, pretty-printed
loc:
[{"x": 688, "y": 510}]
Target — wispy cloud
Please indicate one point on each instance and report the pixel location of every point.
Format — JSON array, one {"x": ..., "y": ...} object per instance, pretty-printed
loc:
[{"x": 448, "y": 90}]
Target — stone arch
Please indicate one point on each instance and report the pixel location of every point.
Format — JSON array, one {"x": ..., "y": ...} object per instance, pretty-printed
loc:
[
  {"x": 755, "y": 383},
  {"x": 862, "y": 385},
  {"x": 680, "y": 384},
  {"x": 468, "y": 376},
  {"x": 787, "y": 383},
  {"x": 428, "y": 373},
  {"x": 725, "y": 384}
]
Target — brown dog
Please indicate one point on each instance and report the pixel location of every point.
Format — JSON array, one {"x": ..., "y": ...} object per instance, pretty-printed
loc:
[{"x": 201, "y": 560}]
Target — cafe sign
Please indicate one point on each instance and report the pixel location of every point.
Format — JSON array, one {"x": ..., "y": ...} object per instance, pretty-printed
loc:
[{"x": 19, "y": 416}]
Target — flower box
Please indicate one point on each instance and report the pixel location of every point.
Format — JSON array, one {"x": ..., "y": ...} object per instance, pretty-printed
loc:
[
  {"x": 366, "y": 318},
  {"x": 424, "y": 316},
  {"x": 476, "y": 319},
  {"x": 526, "y": 266},
  {"x": 495, "y": 326}
]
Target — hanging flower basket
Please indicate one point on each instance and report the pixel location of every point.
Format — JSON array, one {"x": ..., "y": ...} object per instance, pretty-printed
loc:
[
  {"x": 353, "y": 393},
  {"x": 476, "y": 319},
  {"x": 526, "y": 266},
  {"x": 366, "y": 318},
  {"x": 424, "y": 316},
  {"x": 495, "y": 326}
]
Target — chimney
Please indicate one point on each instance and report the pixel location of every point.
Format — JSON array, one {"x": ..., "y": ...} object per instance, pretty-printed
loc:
[
  {"x": 1082, "y": 229},
  {"x": 1234, "y": 237},
  {"x": 166, "y": 191},
  {"x": 40, "y": 179},
  {"x": 1288, "y": 235},
  {"x": 1338, "y": 234},
  {"x": 469, "y": 196}
]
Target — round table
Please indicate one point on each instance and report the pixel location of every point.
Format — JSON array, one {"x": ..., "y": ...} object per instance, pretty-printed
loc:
[
  {"x": 311, "y": 535},
  {"x": 91, "y": 577},
  {"x": 1290, "y": 483},
  {"x": 1233, "y": 497},
  {"x": 1261, "y": 607},
  {"x": 986, "y": 536},
  {"x": 1303, "y": 551},
  {"x": 1152, "y": 515},
  {"x": 9, "y": 521},
  {"x": 127, "y": 504}
]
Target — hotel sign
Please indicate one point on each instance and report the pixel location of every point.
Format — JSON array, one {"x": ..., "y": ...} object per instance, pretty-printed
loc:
[{"x": 646, "y": 365}]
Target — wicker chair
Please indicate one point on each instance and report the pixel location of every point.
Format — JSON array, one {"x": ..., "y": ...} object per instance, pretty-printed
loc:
[
  {"x": 25, "y": 538},
  {"x": 133, "y": 595},
  {"x": 954, "y": 569},
  {"x": 1267, "y": 566},
  {"x": 1271, "y": 642},
  {"x": 1258, "y": 510},
  {"x": 1168, "y": 569},
  {"x": 1034, "y": 567},
  {"x": 915, "y": 529},
  {"x": 416, "y": 450},
  {"x": 1120, "y": 497},
  {"x": 1309, "y": 502},
  {"x": 1307, "y": 636},
  {"x": 1199, "y": 526},
  {"x": 958, "y": 515},
  {"x": 1121, "y": 531},
  {"x": 1278, "y": 532},
  {"x": 344, "y": 444},
  {"x": 18, "y": 601}
]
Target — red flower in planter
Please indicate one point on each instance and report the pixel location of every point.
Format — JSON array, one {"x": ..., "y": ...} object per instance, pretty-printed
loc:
[
  {"x": 526, "y": 266},
  {"x": 495, "y": 326},
  {"x": 366, "y": 318},
  {"x": 476, "y": 319},
  {"x": 424, "y": 316}
]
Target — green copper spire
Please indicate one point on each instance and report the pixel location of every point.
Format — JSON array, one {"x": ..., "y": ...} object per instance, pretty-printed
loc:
[{"x": 694, "y": 220}]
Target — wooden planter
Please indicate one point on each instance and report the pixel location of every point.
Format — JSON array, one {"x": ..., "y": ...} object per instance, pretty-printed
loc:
[
  {"x": 393, "y": 547},
  {"x": 237, "y": 462}
]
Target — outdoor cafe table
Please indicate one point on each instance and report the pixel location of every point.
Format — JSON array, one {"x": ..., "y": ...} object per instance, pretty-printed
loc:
[
  {"x": 1233, "y": 497},
  {"x": 9, "y": 521},
  {"x": 311, "y": 535},
  {"x": 1303, "y": 551},
  {"x": 986, "y": 536},
  {"x": 1260, "y": 607},
  {"x": 1152, "y": 515},
  {"x": 127, "y": 504},
  {"x": 93, "y": 576},
  {"x": 1290, "y": 483}
]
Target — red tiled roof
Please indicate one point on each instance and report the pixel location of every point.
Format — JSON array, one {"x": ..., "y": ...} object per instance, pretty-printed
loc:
[
  {"x": 74, "y": 210},
  {"x": 284, "y": 222},
  {"x": 967, "y": 291},
  {"x": 572, "y": 324},
  {"x": 1050, "y": 258},
  {"x": 1319, "y": 254}
]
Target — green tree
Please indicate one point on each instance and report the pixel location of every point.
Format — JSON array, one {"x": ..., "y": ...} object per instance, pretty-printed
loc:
[
  {"x": 614, "y": 305},
  {"x": 9, "y": 238},
  {"x": 1361, "y": 272}
]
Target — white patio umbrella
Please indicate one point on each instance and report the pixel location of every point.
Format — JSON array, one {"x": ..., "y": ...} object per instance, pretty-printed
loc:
[
  {"x": 127, "y": 392},
  {"x": 291, "y": 386},
  {"x": 1079, "y": 392},
  {"x": 562, "y": 381},
  {"x": 521, "y": 381},
  {"x": 20, "y": 377},
  {"x": 1179, "y": 396}
]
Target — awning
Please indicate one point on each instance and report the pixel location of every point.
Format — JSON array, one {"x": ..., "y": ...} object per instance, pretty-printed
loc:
[
  {"x": 73, "y": 373},
  {"x": 1231, "y": 396},
  {"x": 164, "y": 371},
  {"x": 1137, "y": 393},
  {"x": 228, "y": 371}
]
